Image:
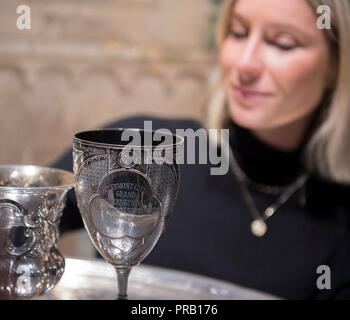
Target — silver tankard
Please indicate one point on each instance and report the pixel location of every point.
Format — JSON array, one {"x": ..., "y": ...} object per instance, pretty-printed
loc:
[{"x": 32, "y": 199}]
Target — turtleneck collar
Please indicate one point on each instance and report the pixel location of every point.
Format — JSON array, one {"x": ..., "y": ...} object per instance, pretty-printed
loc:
[{"x": 261, "y": 162}]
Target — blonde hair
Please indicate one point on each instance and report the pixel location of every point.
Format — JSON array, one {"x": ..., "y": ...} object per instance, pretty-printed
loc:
[{"x": 327, "y": 151}]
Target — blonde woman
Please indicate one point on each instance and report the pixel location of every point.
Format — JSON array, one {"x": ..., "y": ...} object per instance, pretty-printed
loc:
[{"x": 278, "y": 221}]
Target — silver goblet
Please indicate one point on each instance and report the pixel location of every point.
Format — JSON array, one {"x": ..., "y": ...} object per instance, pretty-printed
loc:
[
  {"x": 124, "y": 194},
  {"x": 31, "y": 202}
]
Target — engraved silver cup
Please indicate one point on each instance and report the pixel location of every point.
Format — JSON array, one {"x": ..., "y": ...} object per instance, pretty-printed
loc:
[
  {"x": 31, "y": 202},
  {"x": 124, "y": 194}
]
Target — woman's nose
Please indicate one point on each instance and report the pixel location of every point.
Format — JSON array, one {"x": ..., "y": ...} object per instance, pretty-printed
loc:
[{"x": 250, "y": 65}]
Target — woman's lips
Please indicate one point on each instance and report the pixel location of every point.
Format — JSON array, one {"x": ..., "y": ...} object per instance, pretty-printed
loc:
[{"x": 246, "y": 94}]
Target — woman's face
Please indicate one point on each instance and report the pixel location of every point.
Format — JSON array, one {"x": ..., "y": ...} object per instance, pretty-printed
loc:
[{"x": 275, "y": 63}]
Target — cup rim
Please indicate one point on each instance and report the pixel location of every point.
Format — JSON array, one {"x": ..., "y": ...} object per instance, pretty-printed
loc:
[
  {"x": 120, "y": 146},
  {"x": 66, "y": 185}
]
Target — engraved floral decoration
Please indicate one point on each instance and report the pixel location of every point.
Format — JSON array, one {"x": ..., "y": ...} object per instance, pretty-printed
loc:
[{"x": 43, "y": 223}]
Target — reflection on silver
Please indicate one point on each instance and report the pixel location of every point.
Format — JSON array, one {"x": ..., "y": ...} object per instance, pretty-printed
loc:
[
  {"x": 124, "y": 207},
  {"x": 96, "y": 280},
  {"x": 31, "y": 202}
]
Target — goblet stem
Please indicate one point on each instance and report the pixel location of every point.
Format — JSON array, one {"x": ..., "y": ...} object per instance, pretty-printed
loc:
[{"x": 123, "y": 276}]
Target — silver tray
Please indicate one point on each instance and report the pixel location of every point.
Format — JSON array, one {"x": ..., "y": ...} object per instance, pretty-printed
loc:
[{"x": 96, "y": 280}]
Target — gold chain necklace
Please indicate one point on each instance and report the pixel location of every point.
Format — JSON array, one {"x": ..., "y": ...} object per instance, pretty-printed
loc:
[{"x": 258, "y": 226}]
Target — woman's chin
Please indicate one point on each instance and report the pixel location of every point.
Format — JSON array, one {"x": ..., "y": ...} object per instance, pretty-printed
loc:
[{"x": 249, "y": 119}]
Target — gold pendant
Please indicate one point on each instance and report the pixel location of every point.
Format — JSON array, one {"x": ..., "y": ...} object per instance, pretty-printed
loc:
[{"x": 258, "y": 228}]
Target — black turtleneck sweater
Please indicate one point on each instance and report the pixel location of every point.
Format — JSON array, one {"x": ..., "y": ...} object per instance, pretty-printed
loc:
[{"x": 209, "y": 230}]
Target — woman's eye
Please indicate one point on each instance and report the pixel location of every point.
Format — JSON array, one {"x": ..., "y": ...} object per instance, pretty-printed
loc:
[
  {"x": 238, "y": 35},
  {"x": 284, "y": 43},
  {"x": 285, "y": 47}
]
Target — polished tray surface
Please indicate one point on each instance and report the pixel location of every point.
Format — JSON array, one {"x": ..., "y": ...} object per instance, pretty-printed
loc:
[{"x": 96, "y": 280}]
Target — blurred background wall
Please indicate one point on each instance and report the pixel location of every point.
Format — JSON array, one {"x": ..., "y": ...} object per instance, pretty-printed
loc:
[{"x": 85, "y": 63}]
